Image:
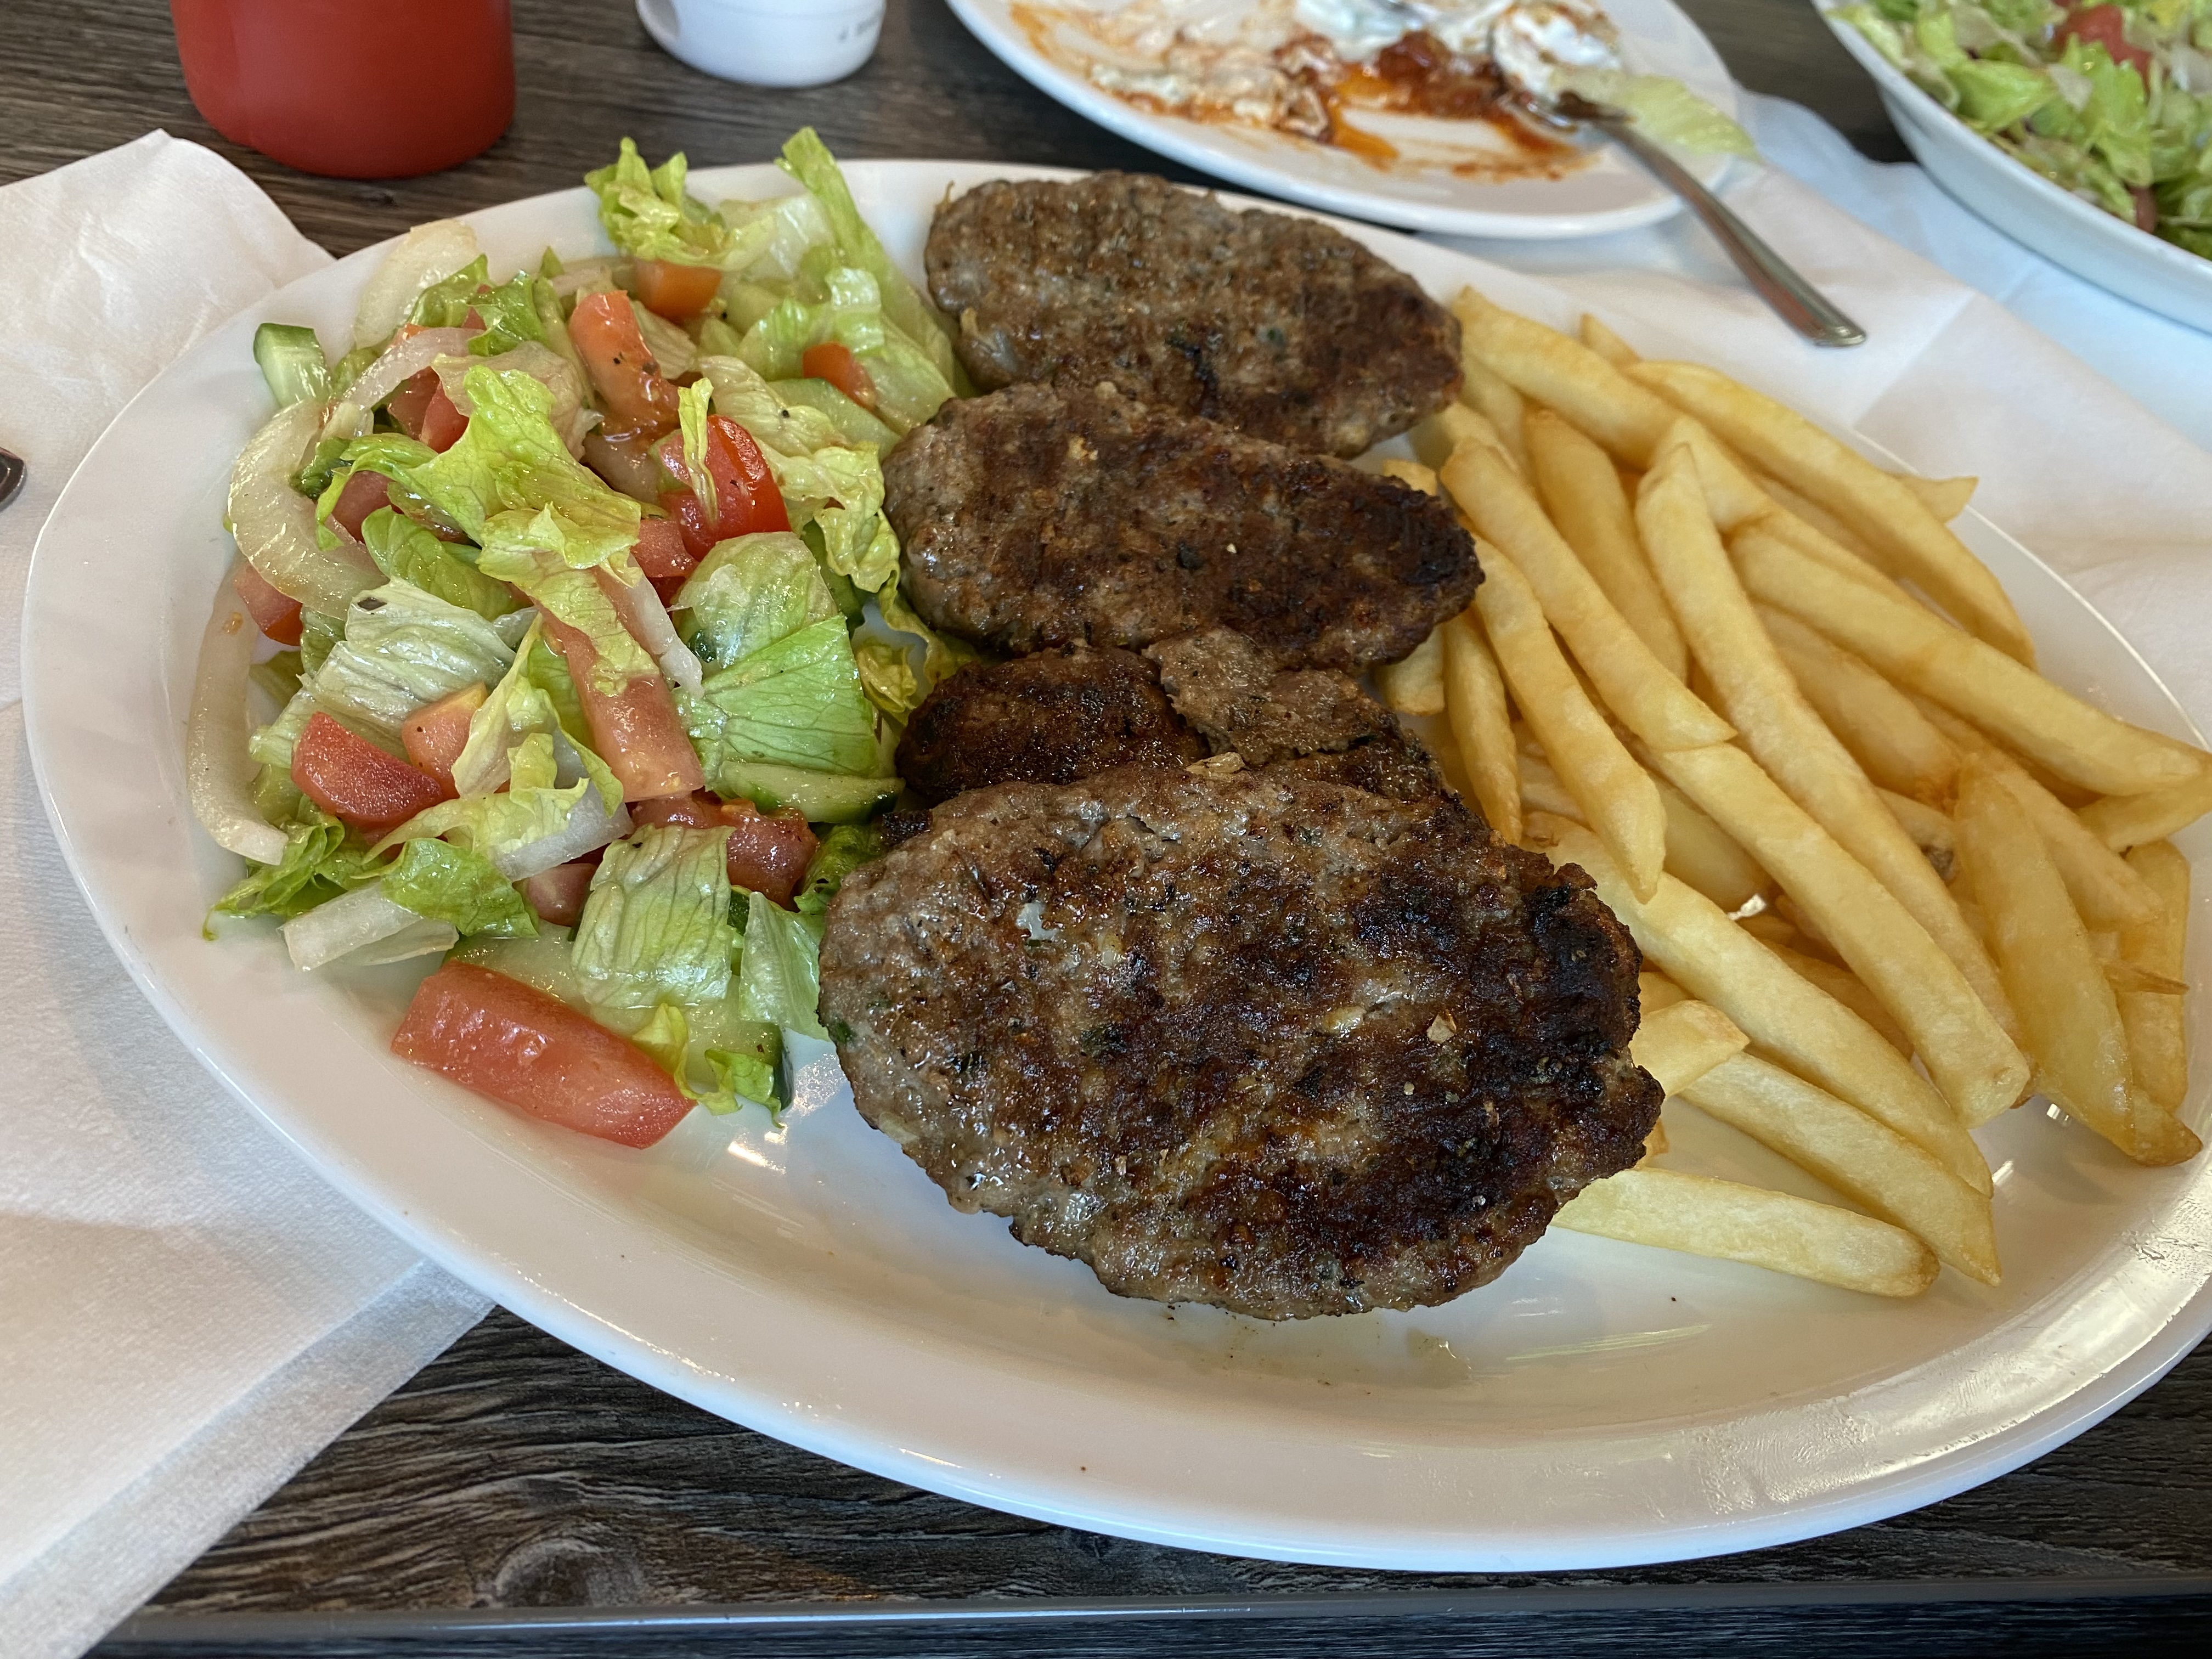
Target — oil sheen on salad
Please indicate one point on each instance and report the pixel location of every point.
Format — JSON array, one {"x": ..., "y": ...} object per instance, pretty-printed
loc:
[{"x": 577, "y": 658}]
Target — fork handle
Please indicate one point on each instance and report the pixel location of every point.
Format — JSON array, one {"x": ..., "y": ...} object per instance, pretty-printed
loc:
[{"x": 1795, "y": 300}]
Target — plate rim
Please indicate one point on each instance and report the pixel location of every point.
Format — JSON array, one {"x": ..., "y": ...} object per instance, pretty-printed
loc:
[
  {"x": 1159, "y": 135},
  {"x": 1057, "y": 1499}
]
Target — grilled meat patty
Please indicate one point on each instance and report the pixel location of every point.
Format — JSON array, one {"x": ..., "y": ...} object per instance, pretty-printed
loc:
[
  {"x": 1279, "y": 326},
  {"x": 1057, "y": 515},
  {"x": 1260, "y": 1040},
  {"x": 1049, "y": 718}
]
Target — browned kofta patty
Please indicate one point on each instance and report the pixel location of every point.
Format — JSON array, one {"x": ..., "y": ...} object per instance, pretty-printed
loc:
[
  {"x": 1049, "y": 718},
  {"x": 1046, "y": 515},
  {"x": 1279, "y": 326},
  {"x": 1259, "y": 1041}
]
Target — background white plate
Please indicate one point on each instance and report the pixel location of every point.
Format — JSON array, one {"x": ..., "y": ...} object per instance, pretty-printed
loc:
[
  {"x": 1601, "y": 1404},
  {"x": 1609, "y": 193},
  {"x": 2030, "y": 209}
]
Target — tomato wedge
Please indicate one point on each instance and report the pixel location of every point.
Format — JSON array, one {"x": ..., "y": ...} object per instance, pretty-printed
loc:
[
  {"x": 662, "y": 555},
  {"x": 408, "y": 404},
  {"x": 274, "y": 613},
  {"x": 442, "y": 422},
  {"x": 557, "y": 894},
  {"x": 519, "y": 1046},
  {"x": 678, "y": 293},
  {"x": 637, "y": 731},
  {"x": 353, "y": 780},
  {"x": 435, "y": 734},
  {"x": 2106, "y": 26},
  {"x": 746, "y": 500},
  {"x": 363, "y": 494},
  {"x": 604, "y": 329},
  {"x": 768, "y": 852},
  {"x": 837, "y": 365}
]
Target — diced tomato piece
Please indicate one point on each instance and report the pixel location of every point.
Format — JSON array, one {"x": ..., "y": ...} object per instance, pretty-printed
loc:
[
  {"x": 435, "y": 733},
  {"x": 442, "y": 422},
  {"x": 604, "y": 329},
  {"x": 746, "y": 500},
  {"x": 408, "y": 404},
  {"x": 678, "y": 293},
  {"x": 274, "y": 613},
  {"x": 363, "y": 494},
  {"x": 557, "y": 894},
  {"x": 662, "y": 555},
  {"x": 2106, "y": 26},
  {"x": 637, "y": 731},
  {"x": 837, "y": 365},
  {"x": 768, "y": 853},
  {"x": 516, "y": 1044},
  {"x": 350, "y": 778}
]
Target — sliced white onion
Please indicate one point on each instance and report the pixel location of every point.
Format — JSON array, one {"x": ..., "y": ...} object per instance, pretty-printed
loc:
[
  {"x": 638, "y": 603},
  {"x": 428, "y": 254},
  {"x": 363, "y": 920},
  {"x": 593, "y": 276},
  {"x": 671, "y": 348},
  {"x": 218, "y": 772},
  {"x": 404, "y": 360},
  {"x": 348, "y": 420},
  {"x": 591, "y": 826},
  {"x": 275, "y": 524}
]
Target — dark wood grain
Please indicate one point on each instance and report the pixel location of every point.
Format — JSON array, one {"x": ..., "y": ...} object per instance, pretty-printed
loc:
[{"x": 515, "y": 1473}]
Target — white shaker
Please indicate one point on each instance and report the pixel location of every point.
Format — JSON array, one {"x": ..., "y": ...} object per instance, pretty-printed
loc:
[{"x": 766, "y": 43}]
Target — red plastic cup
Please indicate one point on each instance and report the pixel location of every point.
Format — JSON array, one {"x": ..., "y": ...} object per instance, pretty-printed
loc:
[{"x": 351, "y": 88}]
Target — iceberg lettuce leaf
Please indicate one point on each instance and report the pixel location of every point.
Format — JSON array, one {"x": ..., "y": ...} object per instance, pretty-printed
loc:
[
  {"x": 656, "y": 924},
  {"x": 450, "y": 884},
  {"x": 797, "y": 702}
]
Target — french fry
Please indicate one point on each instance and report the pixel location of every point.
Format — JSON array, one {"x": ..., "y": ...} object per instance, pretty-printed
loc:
[
  {"x": 1435, "y": 437},
  {"x": 1604, "y": 342},
  {"x": 1681, "y": 1043},
  {"x": 2105, "y": 889},
  {"x": 1769, "y": 926},
  {"x": 1883, "y": 727},
  {"x": 1971, "y": 679},
  {"x": 1974, "y": 1063},
  {"x": 1562, "y": 374},
  {"x": 1618, "y": 797},
  {"x": 2125, "y": 821},
  {"x": 1945, "y": 498},
  {"x": 2071, "y": 1014},
  {"x": 1786, "y": 526},
  {"x": 1415, "y": 685},
  {"x": 1483, "y": 390},
  {"x": 1700, "y": 1216},
  {"x": 1932, "y": 831},
  {"x": 1693, "y": 941},
  {"x": 1582, "y": 492},
  {"x": 1846, "y": 988},
  {"x": 1423, "y": 478},
  {"x": 1655, "y": 991},
  {"x": 1698, "y": 851},
  {"x": 1655, "y": 1144},
  {"x": 1632, "y": 682},
  {"x": 1481, "y": 725},
  {"x": 2158, "y": 1038},
  {"x": 1817, "y": 516},
  {"x": 1888, "y": 515},
  {"x": 1780, "y": 727},
  {"x": 1868, "y": 1162}
]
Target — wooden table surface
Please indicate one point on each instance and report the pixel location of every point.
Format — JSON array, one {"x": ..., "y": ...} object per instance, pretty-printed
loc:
[{"x": 517, "y": 1480}]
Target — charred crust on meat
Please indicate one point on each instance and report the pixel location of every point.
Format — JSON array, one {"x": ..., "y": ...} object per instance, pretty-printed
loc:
[{"x": 1218, "y": 1080}]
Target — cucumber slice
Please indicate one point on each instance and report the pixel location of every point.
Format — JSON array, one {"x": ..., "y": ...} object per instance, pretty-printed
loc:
[
  {"x": 823, "y": 797},
  {"x": 292, "y": 362}
]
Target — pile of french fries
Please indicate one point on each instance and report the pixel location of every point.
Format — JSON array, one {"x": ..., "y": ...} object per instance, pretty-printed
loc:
[{"x": 1888, "y": 881}]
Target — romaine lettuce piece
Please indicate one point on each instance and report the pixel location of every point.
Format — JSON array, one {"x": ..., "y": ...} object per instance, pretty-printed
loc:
[
  {"x": 573, "y": 597},
  {"x": 909, "y": 386},
  {"x": 272, "y": 745},
  {"x": 403, "y": 648},
  {"x": 780, "y": 974},
  {"x": 522, "y": 706},
  {"x": 656, "y": 925},
  {"x": 797, "y": 702},
  {"x": 843, "y": 850},
  {"x": 1662, "y": 109},
  {"x": 316, "y": 864},
  {"x": 853, "y": 424},
  {"x": 450, "y": 884},
  {"x": 648, "y": 215},
  {"x": 406, "y": 552},
  {"x": 750, "y": 593},
  {"x": 694, "y": 403}
]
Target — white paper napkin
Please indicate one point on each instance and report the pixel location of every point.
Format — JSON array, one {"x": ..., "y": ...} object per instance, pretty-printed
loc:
[
  {"x": 1983, "y": 358},
  {"x": 188, "y": 1314}
]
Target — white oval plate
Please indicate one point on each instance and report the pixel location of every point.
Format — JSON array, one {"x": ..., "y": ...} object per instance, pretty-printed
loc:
[
  {"x": 1601, "y": 1404},
  {"x": 1608, "y": 194},
  {"x": 2028, "y": 207}
]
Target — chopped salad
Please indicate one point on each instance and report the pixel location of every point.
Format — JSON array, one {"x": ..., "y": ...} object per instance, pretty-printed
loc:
[
  {"x": 2111, "y": 101},
  {"x": 578, "y": 637}
]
